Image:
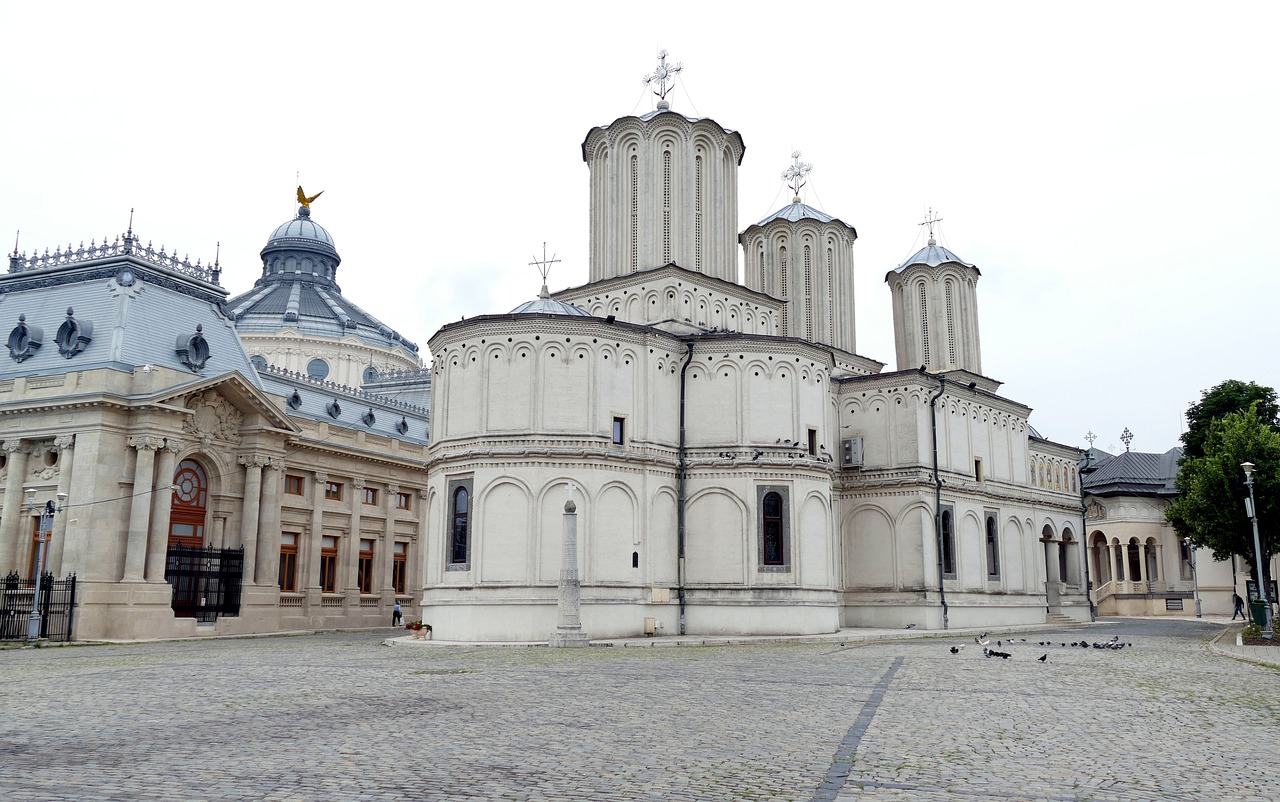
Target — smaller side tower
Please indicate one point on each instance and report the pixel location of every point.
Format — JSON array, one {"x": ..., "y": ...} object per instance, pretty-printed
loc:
[
  {"x": 935, "y": 311},
  {"x": 804, "y": 257}
]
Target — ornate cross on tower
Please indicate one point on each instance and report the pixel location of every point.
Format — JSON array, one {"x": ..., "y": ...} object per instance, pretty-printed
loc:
[
  {"x": 660, "y": 76},
  {"x": 1126, "y": 437},
  {"x": 795, "y": 175},
  {"x": 544, "y": 267},
  {"x": 1090, "y": 437},
  {"x": 929, "y": 219}
]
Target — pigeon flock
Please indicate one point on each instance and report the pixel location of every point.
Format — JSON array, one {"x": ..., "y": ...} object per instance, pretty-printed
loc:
[{"x": 1002, "y": 646}]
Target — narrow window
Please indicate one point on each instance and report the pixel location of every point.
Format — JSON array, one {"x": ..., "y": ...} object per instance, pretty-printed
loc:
[
  {"x": 460, "y": 515},
  {"x": 635, "y": 559},
  {"x": 333, "y": 491},
  {"x": 288, "y": 562},
  {"x": 400, "y": 567},
  {"x": 369, "y": 495},
  {"x": 666, "y": 207},
  {"x": 993, "y": 548},
  {"x": 697, "y": 213},
  {"x": 619, "y": 431},
  {"x": 364, "y": 569},
  {"x": 948, "y": 545},
  {"x": 293, "y": 485},
  {"x": 773, "y": 553},
  {"x": 328, "y": 563},
  {"x": 977, "y": 469},
  {"x": 635, "y": 214},
  {"x": 813, "y": 442},
  {"x": 782, "y": 278},
  {"x": 808, "y": 294},
  {"x": 831, "y": 300},
  {"x": 924, "y": 322},
  {"x": 402, "y": 501},
  {"x": 951, "y": 328}
]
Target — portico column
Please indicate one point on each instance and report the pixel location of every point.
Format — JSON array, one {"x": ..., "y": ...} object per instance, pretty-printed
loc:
[
  {"x": 269, "y": 526},
  {"x": 249, "y": 512},
  {"x": 161, "y": 507},
  {"x": 53, "y": 560},
  {"x": 1142, "y": 563},
  {"x": 1117, "y": 565},
  {"x": 311, "y": 544},
  {"x": 135, "y": 553},
  {"x": 385, "y": 561},
  {"x": 417, "y": 579},
  {"x": 10, "y": 523},
  {"x": 349, "y": 561},
  {"x": 1051, "y": 567}
]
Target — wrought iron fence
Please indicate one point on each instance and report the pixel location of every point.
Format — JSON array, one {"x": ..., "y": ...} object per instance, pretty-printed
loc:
[
  {"x": 57, "y": 606},
  {"x": 206, "y": 581}
]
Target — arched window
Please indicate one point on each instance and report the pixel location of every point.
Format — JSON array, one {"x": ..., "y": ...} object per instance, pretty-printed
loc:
[
  {"x": 782, "y": 287},
  {"x": 1135, "y": 561},
  {"x": 951, "y": 325},
  {"x": 774, "y": 552},
  {"x": 993, "y": 548},
  {"x": 635, "y": 213},
  {"x": 666, "y": 207},
  {"x": 948, "y": 545},
  {"x": 924, "y": 322},
  {"x": 190, "y": 503},
  {"x": 460, "y": 516}
]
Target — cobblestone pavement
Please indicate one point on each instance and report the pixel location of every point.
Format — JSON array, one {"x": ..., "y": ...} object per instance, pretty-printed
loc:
[{"x": 343, "y": 717}]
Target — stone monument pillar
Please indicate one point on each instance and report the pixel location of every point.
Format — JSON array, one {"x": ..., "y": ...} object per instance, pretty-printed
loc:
[{"x": 569, "y": 625}]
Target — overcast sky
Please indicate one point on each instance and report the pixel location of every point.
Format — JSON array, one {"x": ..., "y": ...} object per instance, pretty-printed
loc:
[{"x": 1111, "y": 168}]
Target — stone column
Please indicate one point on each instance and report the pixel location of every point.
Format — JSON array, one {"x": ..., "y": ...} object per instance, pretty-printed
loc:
[
  {"x": 419, "y": 550},
  {"x": 249, "y": 512},
  {"x": 1142, "y": 563},
  {"x": 384, "y": 559},
  {"x": 309, "y": 553},
  {"x": 161, "y": 507},
  {"x": 53, "y": 560},
  {"x": 11, "y": 522},
  {"x": 569, "y": 620},
  {"x": 135, "y": 553},
  {"x": 349, "y": 550},
  {"x": 268, "y": 568},
  {"x": 1117, "y": 565}
]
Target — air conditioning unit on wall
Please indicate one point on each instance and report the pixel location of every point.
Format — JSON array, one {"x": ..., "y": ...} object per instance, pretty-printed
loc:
[{"x": 851, "y": 452}]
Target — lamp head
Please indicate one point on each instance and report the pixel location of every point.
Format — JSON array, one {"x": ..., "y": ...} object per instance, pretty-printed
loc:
[
  {"x": 62, "y": 497},
  {"x": 1248, "y": 468}
]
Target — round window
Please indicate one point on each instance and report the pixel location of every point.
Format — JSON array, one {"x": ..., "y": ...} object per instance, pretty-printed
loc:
[
  {"x": 259, "y": 361},
  {"x": 317, "y": 369}
]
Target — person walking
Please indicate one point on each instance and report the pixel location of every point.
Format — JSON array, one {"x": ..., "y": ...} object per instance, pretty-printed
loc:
[
  {"x": 1239, "y": 603},
  {"x": 396, "y": 617}
]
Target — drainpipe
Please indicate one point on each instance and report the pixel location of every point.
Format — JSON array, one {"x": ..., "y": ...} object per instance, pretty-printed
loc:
[
  {"x": 680, "y": 488},
  {"x": 937, "y": 492}
]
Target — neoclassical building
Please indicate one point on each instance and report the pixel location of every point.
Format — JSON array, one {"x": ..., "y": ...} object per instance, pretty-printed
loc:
[
  {"x": 210, "y": 485},
  {"x": 737, "y": 466}
]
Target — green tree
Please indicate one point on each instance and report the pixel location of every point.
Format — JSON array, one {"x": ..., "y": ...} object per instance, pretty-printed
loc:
[
  {"x": 1210, "y": 505},
  {"x": 1232, "y": 395}
]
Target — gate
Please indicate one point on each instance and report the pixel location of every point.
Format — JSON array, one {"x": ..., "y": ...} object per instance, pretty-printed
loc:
[
  {"x": 206, "y": 581},
  {"x": 57, "y": 606}
]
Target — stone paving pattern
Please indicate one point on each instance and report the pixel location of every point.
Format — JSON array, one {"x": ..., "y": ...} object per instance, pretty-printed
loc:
[{"x": 344, "y": 717}]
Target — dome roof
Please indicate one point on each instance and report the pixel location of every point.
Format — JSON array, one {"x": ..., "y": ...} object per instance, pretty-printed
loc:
[
  {"x": 932, "y": 255},
  {"x": 301, "y": 233},
  {"x": 544, "y": 304}
]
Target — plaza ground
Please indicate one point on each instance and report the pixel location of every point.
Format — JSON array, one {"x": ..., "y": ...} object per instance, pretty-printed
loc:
[{"x": 343, "y": 716}]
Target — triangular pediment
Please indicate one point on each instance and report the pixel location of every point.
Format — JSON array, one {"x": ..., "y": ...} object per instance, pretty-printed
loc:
[{"x": 221, "y": 405}]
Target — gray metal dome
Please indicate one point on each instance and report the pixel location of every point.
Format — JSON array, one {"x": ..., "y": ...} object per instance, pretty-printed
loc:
[
  {"x": 301, "y": 233},
  {"x": 544, "y": 304}
]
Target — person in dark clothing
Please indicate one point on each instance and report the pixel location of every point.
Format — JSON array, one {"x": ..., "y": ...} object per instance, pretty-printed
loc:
[{"x": 1239, "y": 603}]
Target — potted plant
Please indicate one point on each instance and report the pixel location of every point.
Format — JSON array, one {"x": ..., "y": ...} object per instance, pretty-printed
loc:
[{"x": 420, "y": 630}]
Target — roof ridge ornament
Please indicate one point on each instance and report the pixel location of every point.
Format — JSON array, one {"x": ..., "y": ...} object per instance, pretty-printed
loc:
[
  {"x": 544, "y": 267},
  {"x": 795, "y": 175},
  {"x": 660, "y": 75}
]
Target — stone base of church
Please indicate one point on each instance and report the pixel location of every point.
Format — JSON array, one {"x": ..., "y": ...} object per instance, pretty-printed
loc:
[
  {"x": 964, "y": 610},
  {"x": 127, "y": 611}
]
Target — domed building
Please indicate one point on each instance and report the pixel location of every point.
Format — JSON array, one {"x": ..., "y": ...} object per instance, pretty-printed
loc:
[
  {"x": 297, "y": 319},
  {"x": 736, "y": 467}
]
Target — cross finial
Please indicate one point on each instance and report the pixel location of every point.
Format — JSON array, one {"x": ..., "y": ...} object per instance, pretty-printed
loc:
[
  {"x": 1126, "y": 437},
  {"x": 795, "y": 175},
  {"x": 929, "y": 219},
  {"x": 660, "y": 76},
  {"x": 1090, "y": 437},
  {"x": 544, "y": 267}
]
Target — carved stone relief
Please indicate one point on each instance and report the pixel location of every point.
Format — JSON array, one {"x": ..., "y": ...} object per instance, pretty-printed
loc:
[{"x": 215, "y": 418}]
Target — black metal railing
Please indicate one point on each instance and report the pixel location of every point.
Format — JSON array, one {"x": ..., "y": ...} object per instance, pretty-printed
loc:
[
  {"x": 206, "y": 581},
  {"x": 57, "y": 606}
]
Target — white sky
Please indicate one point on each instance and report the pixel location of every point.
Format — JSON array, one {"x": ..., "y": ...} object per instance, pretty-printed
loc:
[{"x": 1110, "y": 167}]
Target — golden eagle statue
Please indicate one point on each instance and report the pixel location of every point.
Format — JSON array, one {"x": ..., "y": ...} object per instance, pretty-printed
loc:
[{"x": 304, "y": 200}]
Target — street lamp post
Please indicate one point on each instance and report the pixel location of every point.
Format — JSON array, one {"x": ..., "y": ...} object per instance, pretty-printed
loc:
[
  {"x": 1195, "y": 575},
  {"x": 1251, "y": 508},
  {"x": 43, "y": 533}
]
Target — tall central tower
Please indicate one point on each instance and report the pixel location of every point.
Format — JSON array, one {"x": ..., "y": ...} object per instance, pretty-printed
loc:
[{"x": 664, "y": 188}]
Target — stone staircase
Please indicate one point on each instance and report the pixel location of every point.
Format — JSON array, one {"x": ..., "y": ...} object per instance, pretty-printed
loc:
[{"x": 1060, "y": 620}]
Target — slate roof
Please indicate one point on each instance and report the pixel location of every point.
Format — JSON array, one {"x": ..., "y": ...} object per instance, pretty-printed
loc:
[{"x": 1132, "y": 473}]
